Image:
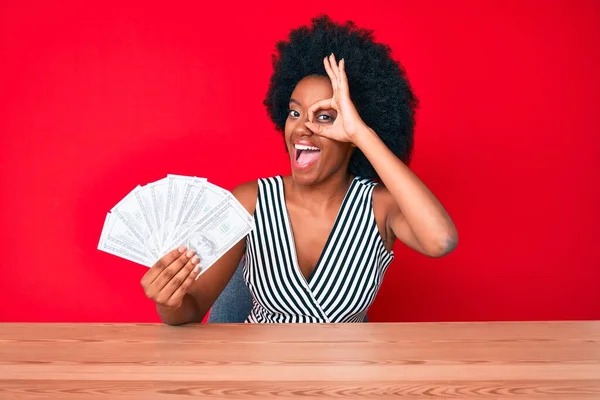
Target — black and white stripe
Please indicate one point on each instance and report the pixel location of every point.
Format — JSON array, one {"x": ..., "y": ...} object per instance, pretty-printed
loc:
[{"x": 346, "y": 278}]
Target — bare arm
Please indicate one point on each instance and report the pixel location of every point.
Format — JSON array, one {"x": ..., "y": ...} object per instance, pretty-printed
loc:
[{"x": 413, "y": 214}]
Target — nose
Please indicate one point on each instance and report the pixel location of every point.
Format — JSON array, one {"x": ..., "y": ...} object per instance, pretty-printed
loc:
[{"x": 300, "y": 128}]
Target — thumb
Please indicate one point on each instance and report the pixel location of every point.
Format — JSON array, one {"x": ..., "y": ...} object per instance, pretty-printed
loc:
[{"x": 316, "y": 129}]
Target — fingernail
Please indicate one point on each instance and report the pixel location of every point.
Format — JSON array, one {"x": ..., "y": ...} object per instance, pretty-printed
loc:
[
  {"x": 195, "y": 259},
  {"x": 181, "y": 249},
  {"x": 196, "y": 268},
  {"x": 189, "y": 253}
]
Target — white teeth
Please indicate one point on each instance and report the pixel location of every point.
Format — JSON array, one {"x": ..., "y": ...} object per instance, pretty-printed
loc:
[{"x": 303, "y": 147}]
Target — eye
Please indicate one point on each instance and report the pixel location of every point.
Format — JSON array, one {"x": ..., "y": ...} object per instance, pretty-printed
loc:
[
  {"x": 326, "y": 119},
  {"x": 293, "y": 113}
]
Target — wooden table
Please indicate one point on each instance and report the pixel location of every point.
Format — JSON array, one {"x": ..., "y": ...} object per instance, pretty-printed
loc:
[{"x": 527, "y": 360}]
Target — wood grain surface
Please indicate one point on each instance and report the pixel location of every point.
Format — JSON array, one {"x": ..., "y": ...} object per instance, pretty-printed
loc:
[{"x": 512, "y": 360}]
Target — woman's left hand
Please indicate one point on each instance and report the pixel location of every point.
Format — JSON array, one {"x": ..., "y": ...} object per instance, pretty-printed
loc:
[{"x": 347, "y": 122}]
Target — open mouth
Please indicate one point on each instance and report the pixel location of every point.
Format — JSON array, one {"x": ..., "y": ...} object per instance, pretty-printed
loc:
[{"x": 305, "y": 155}]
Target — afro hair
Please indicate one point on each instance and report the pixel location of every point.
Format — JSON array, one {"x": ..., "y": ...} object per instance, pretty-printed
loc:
[{"x": 378, "y": 85}]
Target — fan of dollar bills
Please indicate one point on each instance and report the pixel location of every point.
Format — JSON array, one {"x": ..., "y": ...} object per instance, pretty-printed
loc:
[{"x": 177, "y": 210}]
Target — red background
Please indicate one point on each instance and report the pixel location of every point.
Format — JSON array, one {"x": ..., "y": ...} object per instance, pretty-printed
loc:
[{"x": 97, "y": 99}]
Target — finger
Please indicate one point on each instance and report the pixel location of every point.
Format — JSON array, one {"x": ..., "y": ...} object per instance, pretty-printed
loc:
[
  {"x": 177, "y": 296},
  {"x": 317, "y": 129},
  {"x": 167, "y": 292},
  {"x": 330, "y": 73},
  {"x": 319, "y": 105},
  {"x": 168, "y": 273},
  {"x": 344, "y": 87},
  {"x": 334, "y": 66},
  {"x": 161, "y": 264}
]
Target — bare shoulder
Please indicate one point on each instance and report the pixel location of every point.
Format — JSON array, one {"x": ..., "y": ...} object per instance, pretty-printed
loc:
[
  {"x": 383, "y": 206},
  {"x": 246, "y": 193},
  {"x": 382, "y": 199}
]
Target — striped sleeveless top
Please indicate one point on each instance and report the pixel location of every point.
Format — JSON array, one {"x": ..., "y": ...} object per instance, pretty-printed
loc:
[{"x": 346, "y": 278}]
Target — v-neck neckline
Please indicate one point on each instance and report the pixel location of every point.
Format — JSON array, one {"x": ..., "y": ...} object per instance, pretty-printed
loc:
[{"x": 290, "y": 232}]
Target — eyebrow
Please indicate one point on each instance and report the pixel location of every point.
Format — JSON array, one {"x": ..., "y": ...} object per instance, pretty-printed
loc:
[{"x": 295, "y": 101}]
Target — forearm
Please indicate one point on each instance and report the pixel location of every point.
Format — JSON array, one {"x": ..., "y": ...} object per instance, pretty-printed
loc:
[
  {"x": 424, "y": 214},
  {"x": 185, "y": 313}
]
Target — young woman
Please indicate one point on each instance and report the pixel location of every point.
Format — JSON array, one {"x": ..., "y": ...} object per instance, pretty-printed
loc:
[{"x": 324, "y": 234}]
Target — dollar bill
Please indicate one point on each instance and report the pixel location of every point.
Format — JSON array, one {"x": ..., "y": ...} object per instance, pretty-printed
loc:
[
  {"x": 204, "y": 197},
  {"x": 175, "y": 192},
  {"x": 117, "y": 239},
  {"x": 177, "y": 210},
  {"x": 143, "y": 195},
  {"x": 190, "y": 191},
  {"x": 158, "y": 193},
  {"x": 128, "y": 210},
  {"x": 217, "y": 232}
]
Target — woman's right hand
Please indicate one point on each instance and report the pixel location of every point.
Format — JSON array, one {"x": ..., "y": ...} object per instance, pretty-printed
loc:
[{"x": 169, "y": 279}]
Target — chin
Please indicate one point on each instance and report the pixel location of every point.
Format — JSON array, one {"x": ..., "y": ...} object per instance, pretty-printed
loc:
[{"x": 304, "y": 177}]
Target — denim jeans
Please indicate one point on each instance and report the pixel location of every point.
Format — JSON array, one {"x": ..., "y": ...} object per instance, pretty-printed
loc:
[{"x": 235, "y": 302}]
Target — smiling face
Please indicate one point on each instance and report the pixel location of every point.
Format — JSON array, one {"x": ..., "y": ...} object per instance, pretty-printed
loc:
[{"x": 313, "y": 158}]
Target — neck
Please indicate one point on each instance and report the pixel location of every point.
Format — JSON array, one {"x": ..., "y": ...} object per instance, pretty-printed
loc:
[{"x": 322, "y": 194}]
